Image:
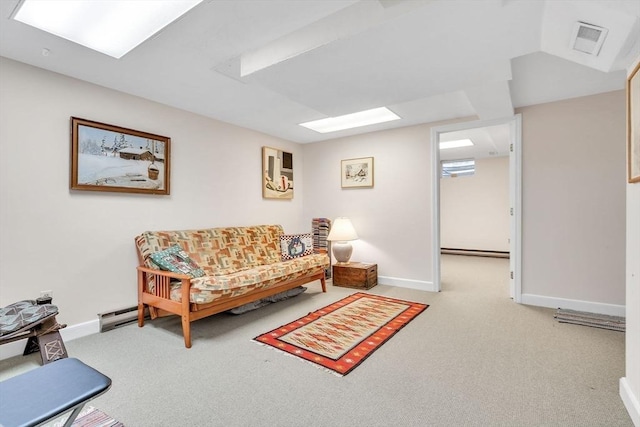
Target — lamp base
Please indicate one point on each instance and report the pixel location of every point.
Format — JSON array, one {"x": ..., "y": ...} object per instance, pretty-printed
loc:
[{"x": 342, "y": 251}]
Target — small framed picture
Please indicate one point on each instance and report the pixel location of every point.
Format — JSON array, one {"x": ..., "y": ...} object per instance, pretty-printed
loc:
[
  {"x": 111, "y": 158},
  {"x": 357, "y": 173}
]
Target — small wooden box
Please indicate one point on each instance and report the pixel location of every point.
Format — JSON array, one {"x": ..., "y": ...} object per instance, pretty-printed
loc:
[{"x": 355, "y": 275}]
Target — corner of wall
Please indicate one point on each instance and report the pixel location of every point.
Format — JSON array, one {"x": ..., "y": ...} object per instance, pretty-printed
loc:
[{"x": 630, "y": 401}]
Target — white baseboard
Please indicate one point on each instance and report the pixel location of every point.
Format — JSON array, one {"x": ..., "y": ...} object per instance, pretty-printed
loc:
[
  {"x": 406, "y": 283},
  {"x": 572, "y": 304},
  {"x": 630, "y": 401},
  {"x": 69, "y": 333}
]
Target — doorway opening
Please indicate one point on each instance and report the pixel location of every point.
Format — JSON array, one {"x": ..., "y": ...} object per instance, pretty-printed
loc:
[{"x": 493, "y": 139}]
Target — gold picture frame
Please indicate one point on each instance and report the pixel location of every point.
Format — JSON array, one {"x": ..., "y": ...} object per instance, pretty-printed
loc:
[
  {"x": 112, "y": 158},
  {"x": 277, "y": 176},
  {"x": 357, "y": 173},
  {"x": 633, "y": 125}
]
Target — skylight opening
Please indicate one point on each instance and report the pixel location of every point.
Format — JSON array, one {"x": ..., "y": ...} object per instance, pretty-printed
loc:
[
  {"x": 445, "y": 145},
  {"x": 456, "y": 168},
  {"x": 112, "y": 27},
  {"x": 353, "y": 120}
]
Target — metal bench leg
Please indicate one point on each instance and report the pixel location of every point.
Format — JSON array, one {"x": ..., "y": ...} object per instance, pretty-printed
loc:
[{"x": 73, "y": 415}]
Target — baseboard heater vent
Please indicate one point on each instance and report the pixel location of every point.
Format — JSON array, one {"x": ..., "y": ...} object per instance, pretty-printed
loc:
[
  {"x": 113, "y": 319},
  {"x": 474, "y": 252}
]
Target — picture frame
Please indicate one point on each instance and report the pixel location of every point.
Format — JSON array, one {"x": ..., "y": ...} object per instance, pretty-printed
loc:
[
  {"x": 633, "y": 125},
  {"x": 111, "y": 158},
  {"x": 277, "y": 176},
  {"x": 357, "y": 173}
]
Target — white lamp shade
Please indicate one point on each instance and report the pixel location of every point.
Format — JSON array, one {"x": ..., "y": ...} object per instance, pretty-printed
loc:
[{"x": 342, "y": 230}]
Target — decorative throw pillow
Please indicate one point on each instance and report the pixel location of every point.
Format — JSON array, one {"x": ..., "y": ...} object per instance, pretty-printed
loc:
[
  {"x": 175, "y": 259},
  {"x": 296, "y": 245},
  {"x": 23, "y": 313}
]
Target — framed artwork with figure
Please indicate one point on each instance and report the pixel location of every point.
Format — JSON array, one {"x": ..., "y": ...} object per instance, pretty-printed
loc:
[{"x": 277, "y": 174}]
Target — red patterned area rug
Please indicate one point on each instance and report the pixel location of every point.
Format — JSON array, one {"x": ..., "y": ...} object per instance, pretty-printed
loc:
[
  {"x": 88, "y": 417},
  {"x": 342, "y": 335}
]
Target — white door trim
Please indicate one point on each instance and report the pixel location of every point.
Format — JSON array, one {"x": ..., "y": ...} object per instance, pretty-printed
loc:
[{"x": 515, "y": 189}]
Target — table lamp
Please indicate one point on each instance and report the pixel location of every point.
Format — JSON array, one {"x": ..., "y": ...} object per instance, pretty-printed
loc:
[{"x": 341, "y": 232}]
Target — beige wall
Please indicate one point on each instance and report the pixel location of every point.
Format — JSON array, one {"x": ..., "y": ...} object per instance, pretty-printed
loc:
[
  {"x": 574, "y": 199},
  {"x": 474, "y": 210},
  {"x": 80, "y": 244}
]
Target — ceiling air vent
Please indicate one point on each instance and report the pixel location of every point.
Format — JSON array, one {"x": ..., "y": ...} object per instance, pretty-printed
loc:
[{"x": 588, "y": 38}]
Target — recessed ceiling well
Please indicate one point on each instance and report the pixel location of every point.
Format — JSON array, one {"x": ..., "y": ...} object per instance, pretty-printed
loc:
[{"x": 308, "y": 60}]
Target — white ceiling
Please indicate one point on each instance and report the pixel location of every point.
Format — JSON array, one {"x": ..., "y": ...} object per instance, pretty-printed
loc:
[
  {"x": 488, "y": 141},
  {"x": 427, "y": 60}
]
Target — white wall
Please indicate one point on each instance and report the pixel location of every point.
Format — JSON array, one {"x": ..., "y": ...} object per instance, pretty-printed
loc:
[
  {"x": 474, "y": 210},
  {"x": 574, "y": 203},
  {"x": 392, "y": 219},
  {"x": 630, "y": 384},
  {"x": 80, "y": 244}
]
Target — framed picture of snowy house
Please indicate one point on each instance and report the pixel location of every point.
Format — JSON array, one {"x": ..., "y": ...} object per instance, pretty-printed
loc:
[{"x": 111, "y": 158}]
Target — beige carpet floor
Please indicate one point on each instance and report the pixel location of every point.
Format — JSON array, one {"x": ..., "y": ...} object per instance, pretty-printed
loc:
[{"x": 474, "y": 358}]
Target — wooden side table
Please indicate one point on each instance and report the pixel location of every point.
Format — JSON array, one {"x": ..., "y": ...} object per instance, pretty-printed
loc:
[{"x": 355, "y": 275}]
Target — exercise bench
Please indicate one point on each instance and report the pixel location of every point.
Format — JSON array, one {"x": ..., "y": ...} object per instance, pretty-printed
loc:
[{"x": 47, "y": 392}]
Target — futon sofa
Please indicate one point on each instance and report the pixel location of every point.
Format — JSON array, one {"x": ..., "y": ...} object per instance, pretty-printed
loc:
[{"x": 198, "y": 273}]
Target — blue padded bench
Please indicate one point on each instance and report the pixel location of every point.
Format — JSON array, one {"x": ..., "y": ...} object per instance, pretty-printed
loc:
[{"x": 49, "y": 391}]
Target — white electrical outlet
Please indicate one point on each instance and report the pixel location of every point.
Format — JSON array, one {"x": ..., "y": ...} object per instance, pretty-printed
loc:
[{"x": 46, "y": 294}]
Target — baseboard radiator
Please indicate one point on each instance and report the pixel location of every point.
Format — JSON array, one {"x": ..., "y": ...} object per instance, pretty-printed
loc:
[
  {"x": 113, "y": 319},
  {"x": 474, "y": 252}
]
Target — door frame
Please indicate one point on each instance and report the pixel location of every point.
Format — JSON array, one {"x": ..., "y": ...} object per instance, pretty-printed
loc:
[{"x": 515, "y": 197}]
